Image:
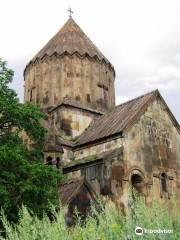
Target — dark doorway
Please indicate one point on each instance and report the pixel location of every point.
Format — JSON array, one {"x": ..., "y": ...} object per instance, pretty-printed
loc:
[{"x": 137, "y": 182}]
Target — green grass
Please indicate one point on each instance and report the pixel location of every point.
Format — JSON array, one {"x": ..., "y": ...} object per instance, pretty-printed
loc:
[{"x": 109, "y": 224}]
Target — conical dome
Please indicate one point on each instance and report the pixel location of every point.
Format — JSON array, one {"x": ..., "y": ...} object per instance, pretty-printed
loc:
[
  {"x": 70, "y": 39},
  {"x": 70, "y": 66}
]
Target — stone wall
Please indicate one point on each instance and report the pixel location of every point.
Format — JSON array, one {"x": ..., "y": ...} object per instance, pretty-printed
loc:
[
  {"x": 70, "y": 122},
  {"x": 152, "y": 147},
  {"x": 50, "y": 80},
  {"x": 92, "y": 151},
  {"x": 101, "y": 164}
]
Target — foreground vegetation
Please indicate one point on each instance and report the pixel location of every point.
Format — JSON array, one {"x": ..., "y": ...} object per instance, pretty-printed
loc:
[
  {"x": 109, "y": 224},
  {"x": 24, "y": 178}
]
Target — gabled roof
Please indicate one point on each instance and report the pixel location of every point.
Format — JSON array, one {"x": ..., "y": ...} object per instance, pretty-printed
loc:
[
  {"x": 70, "y": 188},
  {"x": 70, "y": 39},
  {"x": 72, "y": 103},
  {"x": 121, "y": 119}
]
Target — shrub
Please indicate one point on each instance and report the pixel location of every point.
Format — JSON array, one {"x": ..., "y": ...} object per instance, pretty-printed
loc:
[{"x": 109, "y": 224}]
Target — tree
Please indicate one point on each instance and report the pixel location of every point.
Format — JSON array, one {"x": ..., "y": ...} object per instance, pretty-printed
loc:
[{"x": 24, "y": 179}]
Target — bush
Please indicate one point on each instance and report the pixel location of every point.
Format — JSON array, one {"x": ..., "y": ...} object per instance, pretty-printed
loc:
[{"x": 110, "y": 224}]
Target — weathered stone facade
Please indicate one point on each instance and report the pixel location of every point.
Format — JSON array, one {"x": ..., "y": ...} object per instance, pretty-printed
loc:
[
  {"x": 70, "y": 121},
  {"x": 50, "y": 80},
  {"x": 135, "y": 144},
  {"x": 152, "y": 148},
  {"x": 148, "y": 149},
  {"x": 74, "y": 69}
]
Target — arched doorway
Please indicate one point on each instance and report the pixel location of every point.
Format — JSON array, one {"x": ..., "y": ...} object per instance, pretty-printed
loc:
[
  {"x": 137, "y": 190},
  {"x": 137, "y": 184}
]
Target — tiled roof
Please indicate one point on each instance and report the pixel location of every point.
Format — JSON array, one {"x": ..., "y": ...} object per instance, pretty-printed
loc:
[
  {"x": 119, "y": 120},
  {"x": 116, "y": 121},
  {"x": 70, "y": 188},
  {"x": 66, "y": 142},
  {"x": 71, "y": 39},
  {"x": 72, "y": 103}
]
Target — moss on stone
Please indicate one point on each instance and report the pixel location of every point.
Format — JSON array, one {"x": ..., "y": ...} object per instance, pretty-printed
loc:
[{"x": 84, "y": 160}]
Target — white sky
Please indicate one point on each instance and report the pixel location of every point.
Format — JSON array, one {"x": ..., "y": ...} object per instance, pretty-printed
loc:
[{"x": 140, "y": 37}]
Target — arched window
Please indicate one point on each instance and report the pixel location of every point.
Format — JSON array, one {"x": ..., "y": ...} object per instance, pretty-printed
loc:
[
  {"x": 49, "y": 160},
  {"x": 163, "y": 182},
  {"x": 137, "y": 182},
  {"x": 88, "y": 97}
]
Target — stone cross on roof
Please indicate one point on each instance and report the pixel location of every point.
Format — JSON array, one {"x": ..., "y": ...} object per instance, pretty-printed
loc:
[{"x": 70, "y": 12}]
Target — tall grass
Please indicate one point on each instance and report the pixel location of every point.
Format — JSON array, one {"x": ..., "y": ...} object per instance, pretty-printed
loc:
[{"x": 109, "y": 224}]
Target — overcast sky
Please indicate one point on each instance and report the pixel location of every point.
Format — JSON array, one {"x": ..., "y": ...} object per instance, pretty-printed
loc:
[{"x": 141, "y": 38}]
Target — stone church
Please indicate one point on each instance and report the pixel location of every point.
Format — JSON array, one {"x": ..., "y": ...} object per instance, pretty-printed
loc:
[{"x": 100, "y": 147}]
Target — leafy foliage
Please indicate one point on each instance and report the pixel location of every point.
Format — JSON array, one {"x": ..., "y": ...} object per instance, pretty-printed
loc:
[
  {"x": 24, "y": 179},
  {"x": 15, "y": 115},
  {"x": 110, "y": 224}
]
